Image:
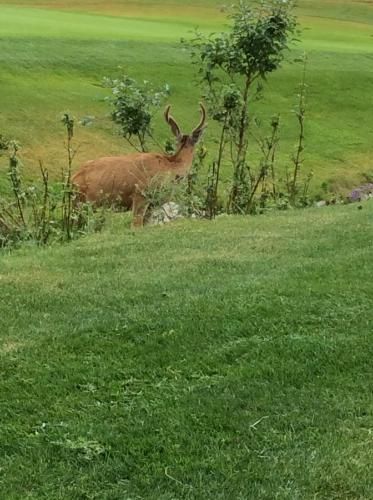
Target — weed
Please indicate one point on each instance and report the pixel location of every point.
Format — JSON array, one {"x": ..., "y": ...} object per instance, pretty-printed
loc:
[{"x": 43, "y": 212}]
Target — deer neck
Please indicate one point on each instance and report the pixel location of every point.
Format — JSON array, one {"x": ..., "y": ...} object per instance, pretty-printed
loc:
[{"x": 183, "y": 158}]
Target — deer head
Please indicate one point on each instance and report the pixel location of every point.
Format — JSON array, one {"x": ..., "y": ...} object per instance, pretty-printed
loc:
[
  {"x": 125, "y": 178},
  {"x": 186, "y": 140}
]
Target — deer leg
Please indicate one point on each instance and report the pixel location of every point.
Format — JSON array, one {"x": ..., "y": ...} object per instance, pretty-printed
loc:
[{"x": 139, "y": 208}]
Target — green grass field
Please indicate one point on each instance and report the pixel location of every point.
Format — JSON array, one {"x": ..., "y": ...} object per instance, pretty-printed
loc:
[
  {"x": 225, "y": 359},
  {"x": 199, "y": 360},
  {"x": 53, "y": 55}
]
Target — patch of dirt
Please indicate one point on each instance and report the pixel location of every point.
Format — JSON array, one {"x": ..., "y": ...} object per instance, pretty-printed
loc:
[{"x": 10, "y": 346}]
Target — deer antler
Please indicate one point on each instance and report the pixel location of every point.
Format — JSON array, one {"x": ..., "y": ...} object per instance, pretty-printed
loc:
[
  {"x": 172, "y": 122},
  {"x": 202, "y": 121}
]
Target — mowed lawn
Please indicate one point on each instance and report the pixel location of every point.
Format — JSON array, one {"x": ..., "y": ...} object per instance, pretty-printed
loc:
[
  {"x": 54, "y": 54},
  {"x": 199, "y": 360}
]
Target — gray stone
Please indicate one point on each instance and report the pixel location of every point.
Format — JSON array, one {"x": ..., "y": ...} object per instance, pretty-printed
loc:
[
  {"x": 166, "y": 213},
  {"x": 321, "y": 203}
]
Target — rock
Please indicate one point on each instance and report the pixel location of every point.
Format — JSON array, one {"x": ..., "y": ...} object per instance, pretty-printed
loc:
[
  {"x": 166, "y": 213},
  {"x": 172, "y": 210},
  {"x": 321, "y": 203}
]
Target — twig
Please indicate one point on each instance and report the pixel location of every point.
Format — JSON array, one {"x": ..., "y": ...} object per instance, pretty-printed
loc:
[{"x": 253, "y": 426}]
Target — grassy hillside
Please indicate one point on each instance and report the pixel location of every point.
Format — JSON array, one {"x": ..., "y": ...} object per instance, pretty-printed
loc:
[
  {"x": 53, "y": 55},
  {"x": 192, "y": 361}
]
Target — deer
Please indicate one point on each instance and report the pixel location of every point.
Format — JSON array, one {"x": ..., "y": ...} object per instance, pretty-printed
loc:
[{"x": 124, "y": 179}]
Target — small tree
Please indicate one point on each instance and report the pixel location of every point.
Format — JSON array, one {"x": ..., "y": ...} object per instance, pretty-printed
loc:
[
  {"x": 297, "y": 156},
  {"x": 133, "y": 106},
  {"x": 67, "y": 200},
  {"x": 231, "y": 66}
]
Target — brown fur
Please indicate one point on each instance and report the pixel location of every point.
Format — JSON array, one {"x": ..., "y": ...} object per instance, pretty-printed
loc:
[{"x": 124, "y": 179}]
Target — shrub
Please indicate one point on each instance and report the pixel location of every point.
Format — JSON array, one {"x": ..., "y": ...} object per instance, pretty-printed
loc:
[
  {"x": 44, "y": 212},
  {"x": 133, "y": 105}
]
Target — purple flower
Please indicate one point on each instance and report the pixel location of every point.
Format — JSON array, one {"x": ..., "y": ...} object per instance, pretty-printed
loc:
[{"x": 361, "y": 193}]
